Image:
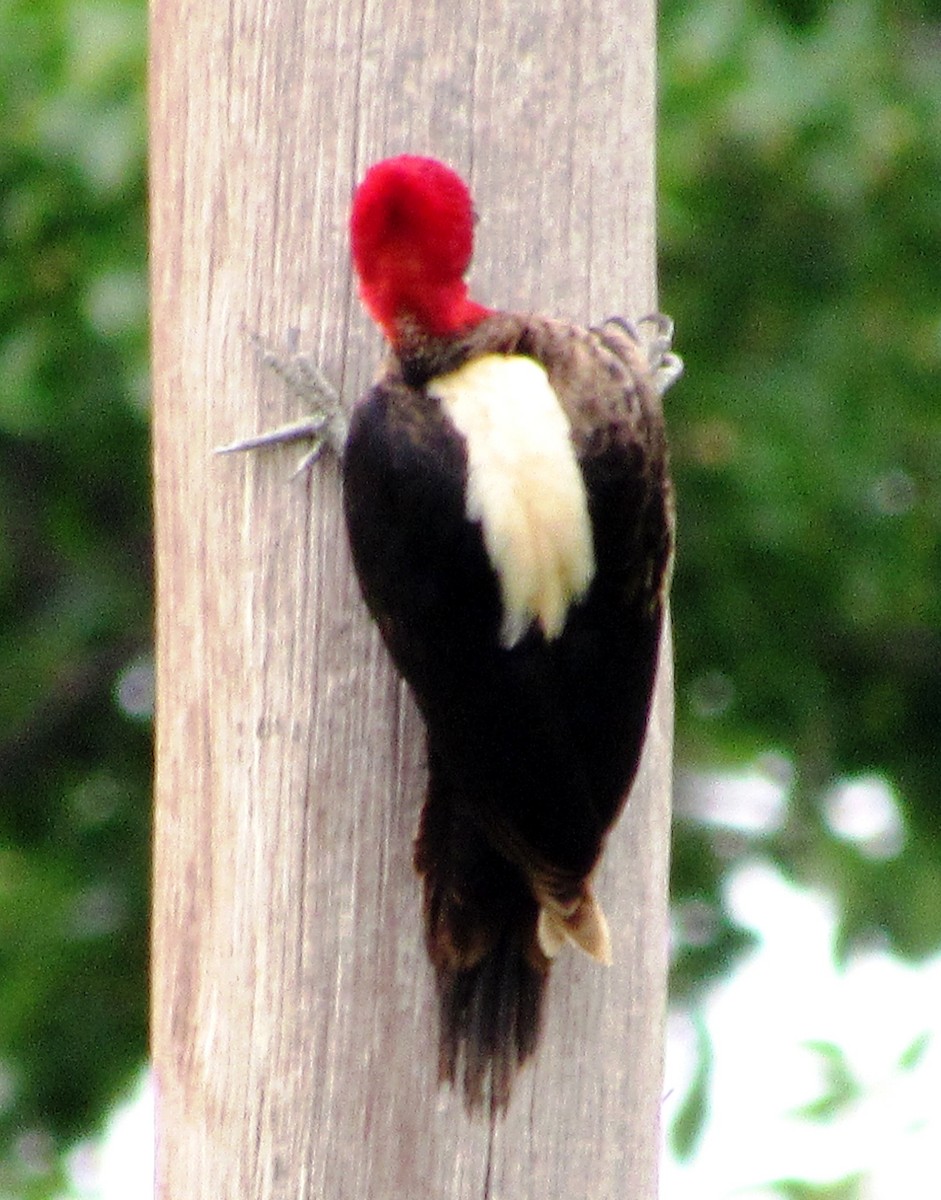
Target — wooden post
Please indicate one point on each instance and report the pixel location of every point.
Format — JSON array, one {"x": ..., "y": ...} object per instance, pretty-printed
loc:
[{"x": 294, "y": 1023}]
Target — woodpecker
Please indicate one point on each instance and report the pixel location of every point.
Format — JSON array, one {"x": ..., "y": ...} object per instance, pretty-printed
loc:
[{"x": 510, "y": 515}]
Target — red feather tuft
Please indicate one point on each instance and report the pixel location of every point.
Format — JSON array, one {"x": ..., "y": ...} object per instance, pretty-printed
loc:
[{"x": 412, "y": 236}]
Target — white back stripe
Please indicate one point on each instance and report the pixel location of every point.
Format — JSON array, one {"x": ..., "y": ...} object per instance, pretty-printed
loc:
[{"x": 524, "y": 486}]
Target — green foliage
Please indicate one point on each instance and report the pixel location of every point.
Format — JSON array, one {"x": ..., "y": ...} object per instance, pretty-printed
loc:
[
  {"x": 914, "y": 1054},
  {"x": 74, "y": 574},
  {"x": 798, "y": 1189},
  {"x": 687, "y": 1125},
  {"x": 841, "y": 1088},
  {"x": 801, "y": 231},
  {"x": 800, "y": 158}
]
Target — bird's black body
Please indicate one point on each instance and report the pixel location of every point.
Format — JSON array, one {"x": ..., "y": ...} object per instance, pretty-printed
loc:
[{"x": 532, "y": 748}]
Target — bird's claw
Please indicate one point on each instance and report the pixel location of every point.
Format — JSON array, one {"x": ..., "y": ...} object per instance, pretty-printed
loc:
[
  {"x": 326, "y": 425},
  {"x": 654, "y": 334}
]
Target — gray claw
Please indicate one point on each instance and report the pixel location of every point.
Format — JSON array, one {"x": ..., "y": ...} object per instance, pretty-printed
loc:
[
  {"x": 325, "y": 426},
  {"x": 655, "y": 333}
]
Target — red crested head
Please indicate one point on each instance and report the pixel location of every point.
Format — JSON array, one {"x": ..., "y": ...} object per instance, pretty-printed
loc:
[{"x": 412, "y": 235}]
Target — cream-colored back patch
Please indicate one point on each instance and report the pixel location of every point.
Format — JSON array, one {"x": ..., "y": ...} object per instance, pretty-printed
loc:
[{"x": 524, "y": 486}]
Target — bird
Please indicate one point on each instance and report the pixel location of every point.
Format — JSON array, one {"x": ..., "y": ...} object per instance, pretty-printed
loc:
[{"x": 510, "y": 514}]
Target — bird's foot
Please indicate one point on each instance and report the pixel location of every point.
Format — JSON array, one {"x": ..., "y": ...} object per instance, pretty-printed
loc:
[
  {"x": 654, "y": 334},
  {"x": 326, "y": 425}
]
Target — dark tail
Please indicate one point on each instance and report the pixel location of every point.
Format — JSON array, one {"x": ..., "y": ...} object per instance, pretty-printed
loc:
[{"x": 481, "y": 934}]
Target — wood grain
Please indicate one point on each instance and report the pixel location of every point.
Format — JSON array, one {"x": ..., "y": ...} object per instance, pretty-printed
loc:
[{"x": 293, "y": 1014}]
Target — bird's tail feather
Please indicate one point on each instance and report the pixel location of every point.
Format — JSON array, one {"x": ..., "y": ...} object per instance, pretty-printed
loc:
[
  {"x": 481, "y": 931},
  {"x": 490, "y": 1017}
]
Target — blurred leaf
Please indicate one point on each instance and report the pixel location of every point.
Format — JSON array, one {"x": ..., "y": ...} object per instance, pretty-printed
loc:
[
  {"x": 849, "y": 1188},
  {"x": 840, "y": 1089},
  {"x": 913, "y": 1055},
  {"x": 690, "y": 1118}
]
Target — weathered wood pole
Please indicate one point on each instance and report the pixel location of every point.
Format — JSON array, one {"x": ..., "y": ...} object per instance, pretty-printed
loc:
[{"x": 293, "y": 1012}]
